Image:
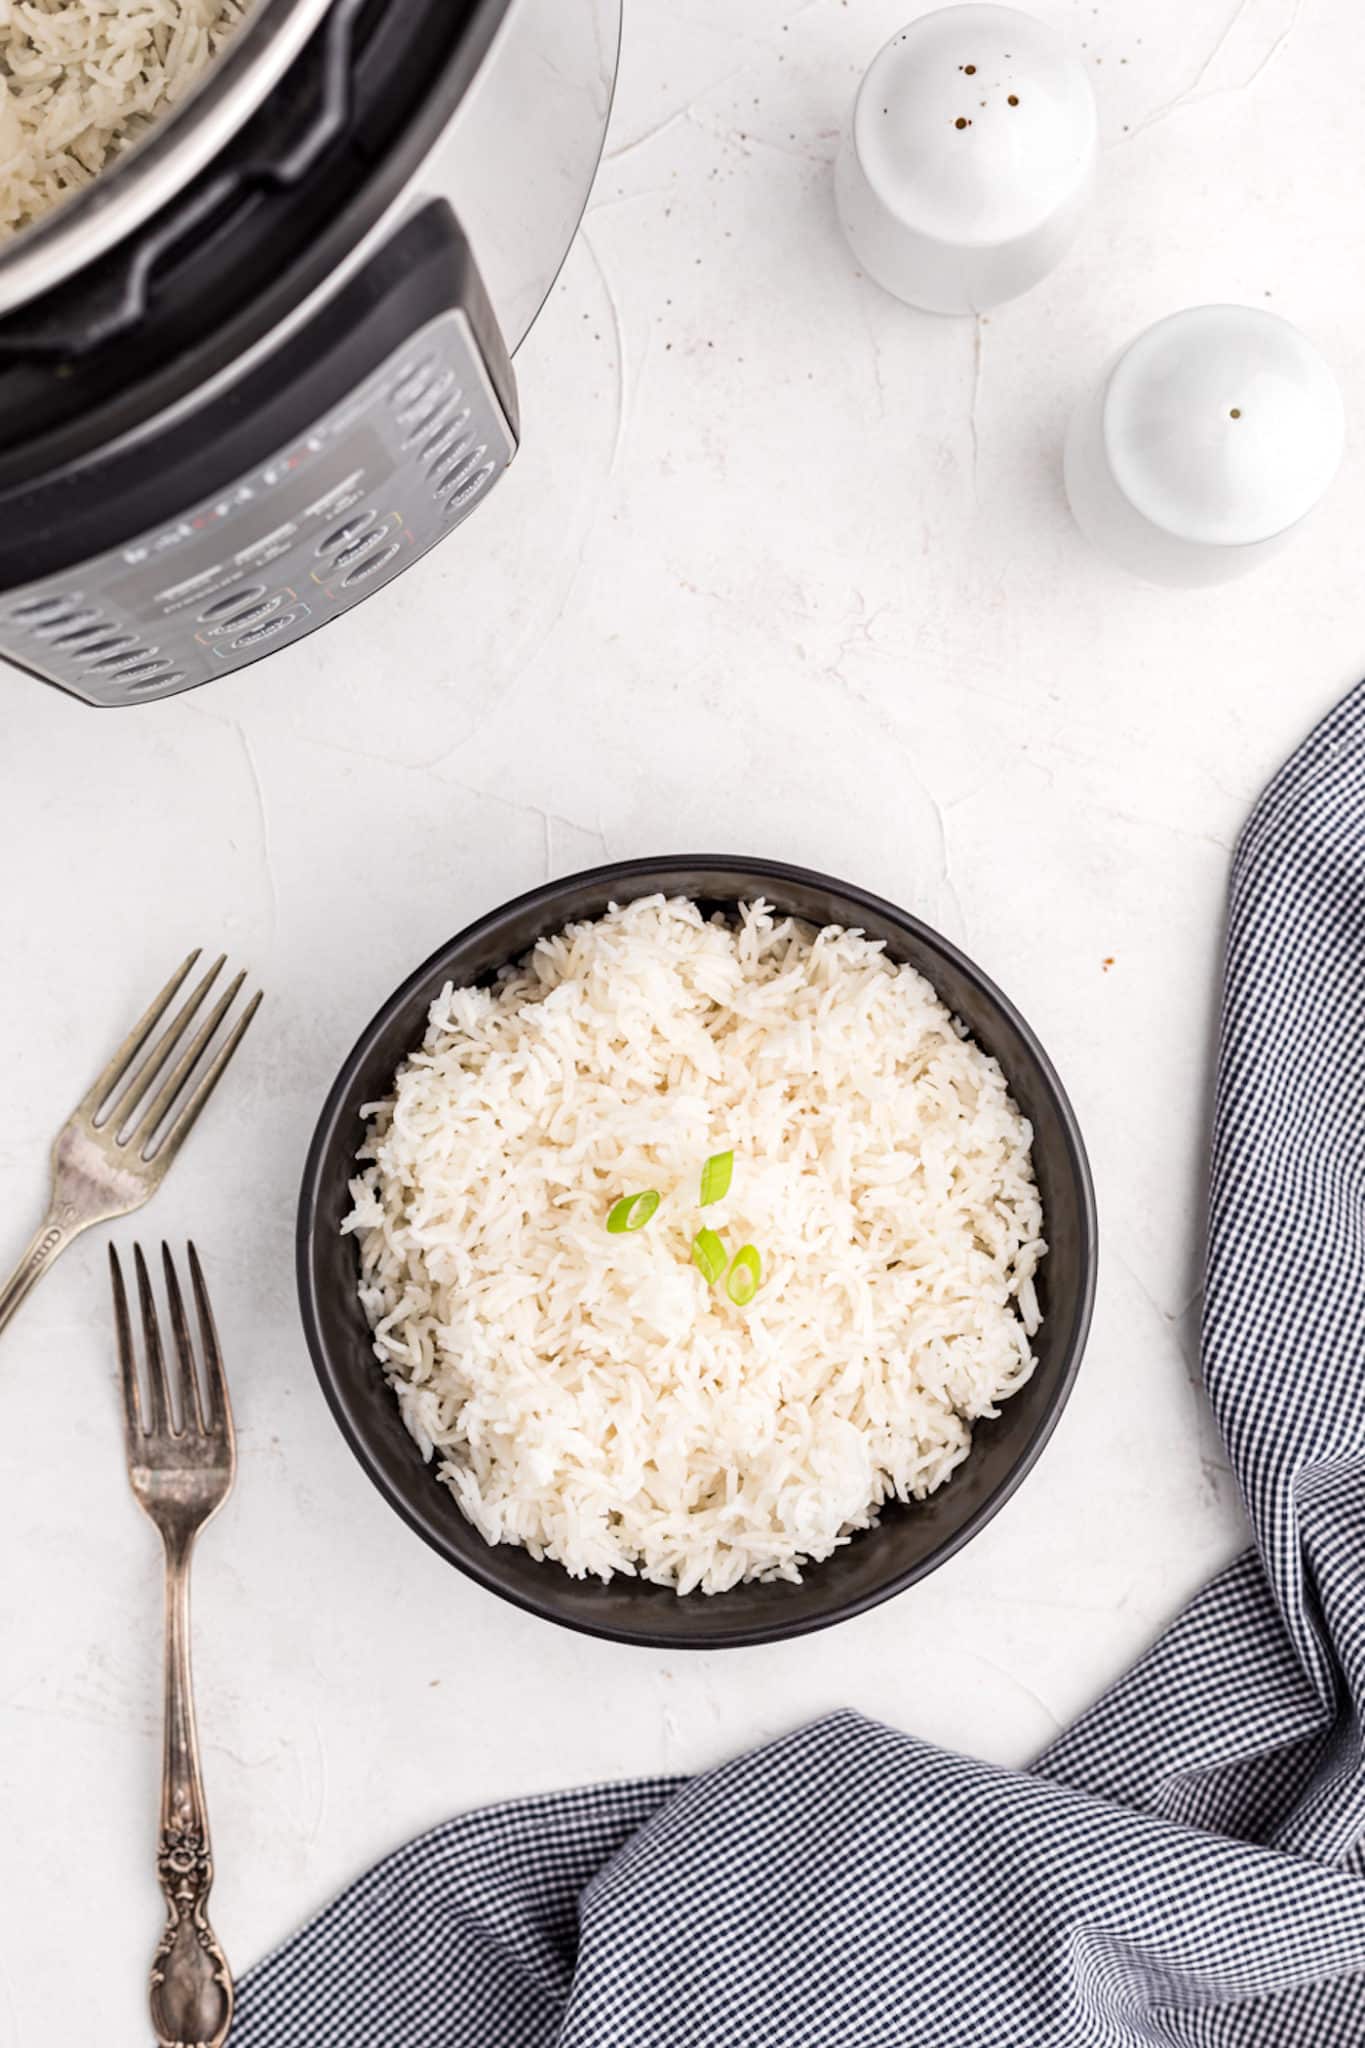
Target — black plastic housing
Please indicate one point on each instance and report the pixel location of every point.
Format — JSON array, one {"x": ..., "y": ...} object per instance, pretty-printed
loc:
[{"x": 145, "y": 332}]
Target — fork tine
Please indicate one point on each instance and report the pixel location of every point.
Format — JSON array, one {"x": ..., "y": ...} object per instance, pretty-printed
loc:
[
  {"x": 191, "y": 1400},
  {"x": 127, "y": 1362},
  {"x": 160, "y": 1421},
  {"x": 149, "y": 1121},
  {"x": 177, "y": 1132},
  {"x": 136, "y": 1039},
  {"x": 220, "y": 1408},
  {"x": 121, "y": 1111}
]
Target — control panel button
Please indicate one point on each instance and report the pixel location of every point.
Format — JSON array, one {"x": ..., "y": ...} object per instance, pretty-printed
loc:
[
  {"x": 230, "y": 607},
  {"x": 344, "y": 535},
  {"x": 267, "y": 629},
  {"x": 363, "y": 571}
]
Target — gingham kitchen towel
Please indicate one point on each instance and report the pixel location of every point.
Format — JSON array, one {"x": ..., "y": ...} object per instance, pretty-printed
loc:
[{"x": 1186, "y": 1865}]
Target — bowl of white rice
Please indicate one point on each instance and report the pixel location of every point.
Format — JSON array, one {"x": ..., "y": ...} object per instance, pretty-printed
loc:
[{"x": 697, "y": 1251}]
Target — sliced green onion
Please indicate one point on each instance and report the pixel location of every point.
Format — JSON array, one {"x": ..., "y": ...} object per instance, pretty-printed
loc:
[
  {"x": 709, "y": 1256},
  {"x": 715, "y": 1177},
  {"x": 741, "y": 1282},
  {"x": 632, "y": 1212}
]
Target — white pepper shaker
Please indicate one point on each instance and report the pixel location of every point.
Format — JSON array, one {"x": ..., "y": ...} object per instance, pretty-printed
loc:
[
  {"x": 969, "y": 160},
  {"x": 1205, "y": 445}
]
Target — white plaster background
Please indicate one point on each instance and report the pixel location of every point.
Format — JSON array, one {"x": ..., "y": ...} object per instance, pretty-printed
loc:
[{"x": 782, "y": 567}]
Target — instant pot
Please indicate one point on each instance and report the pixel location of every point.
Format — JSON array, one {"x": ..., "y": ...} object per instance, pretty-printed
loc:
[{"x": 264, "y": 362}]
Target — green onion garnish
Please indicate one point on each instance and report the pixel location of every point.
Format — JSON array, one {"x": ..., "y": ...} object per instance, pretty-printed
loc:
[
  {"x": 741, "y": 1282},
  {"x": 708, "y": 1256},
  {"x": 715, "y": 1177},
  {"x": 632, "y": 1212}
]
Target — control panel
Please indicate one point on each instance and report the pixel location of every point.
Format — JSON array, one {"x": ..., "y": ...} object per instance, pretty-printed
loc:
[{"x": 328, "y": 520}]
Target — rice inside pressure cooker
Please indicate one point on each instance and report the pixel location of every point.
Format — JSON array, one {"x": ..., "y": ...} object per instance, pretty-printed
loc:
[
  {"x": 82, "y": 79},
  {"x": 588, "y": 1395}
]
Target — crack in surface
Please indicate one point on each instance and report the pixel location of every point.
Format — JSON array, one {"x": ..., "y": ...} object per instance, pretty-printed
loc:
[
  {"x": 263, "y": 821},
  {"x": 874, "y": 346},
  {"x": 1191, "y": 96},
  {"x": 1171, "y": 1316},
  {"x": 1229, "y": 29},
  {"x": 748, "y": 139},
  {"x": 1012, "y": 1678},
  {"x": 679, "y": 114},
  {"x": 834, "y": 673},
  {"x": 427, "y": 769},
  {"x": 618, "y": 334},
  {"x": 974, "y": 421}
]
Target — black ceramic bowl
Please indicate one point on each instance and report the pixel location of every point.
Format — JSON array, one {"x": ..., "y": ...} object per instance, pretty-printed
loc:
[{"x": 909, "y": 1541}]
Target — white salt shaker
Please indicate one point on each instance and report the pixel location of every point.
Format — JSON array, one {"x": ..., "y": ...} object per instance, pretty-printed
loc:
[
  {"x": 1205, "y": 445},
  {"x": 969, "y": 159}
]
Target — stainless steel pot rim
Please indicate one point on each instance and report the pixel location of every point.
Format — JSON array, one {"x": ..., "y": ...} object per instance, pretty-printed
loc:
[{"x": 175, "y": 150}]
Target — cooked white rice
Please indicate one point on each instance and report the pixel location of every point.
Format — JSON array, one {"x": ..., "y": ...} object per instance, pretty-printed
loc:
[
  {"x": 80, "y": 79},
  {"x": 586, "y": 1394}
]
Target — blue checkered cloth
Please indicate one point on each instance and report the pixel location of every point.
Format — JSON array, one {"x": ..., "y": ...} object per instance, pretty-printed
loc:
[{"x": 1185, "y": 1866}]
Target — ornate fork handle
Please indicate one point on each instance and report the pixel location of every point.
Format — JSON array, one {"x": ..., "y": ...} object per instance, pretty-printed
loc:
[
  {"x": 52, "y": 1237},
  {"x": 191, "y": 1985}
]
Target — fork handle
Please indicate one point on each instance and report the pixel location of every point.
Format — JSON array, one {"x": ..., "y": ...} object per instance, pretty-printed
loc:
[
  {"x": 51, "y": 1238},
  {"x": 191, "y": 1985}
]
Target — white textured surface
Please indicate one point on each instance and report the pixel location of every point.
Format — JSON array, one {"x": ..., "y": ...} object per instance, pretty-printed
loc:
[{"x": 783, "y": 566}]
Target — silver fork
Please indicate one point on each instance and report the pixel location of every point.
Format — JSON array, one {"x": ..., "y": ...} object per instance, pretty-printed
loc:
[
  {"x": 111, "y": 1155},
  {"x": 181, "y": 1459}
]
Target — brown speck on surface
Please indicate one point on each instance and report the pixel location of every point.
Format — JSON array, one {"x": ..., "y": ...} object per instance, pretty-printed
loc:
[
  {"x": 961, "y": 121},
  {"x": 1236, "y": 412},
  {"x": 970, "y": 70},
  {"x": 1107, "y": 963},
  {"x": 1014, "y": 99}
]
